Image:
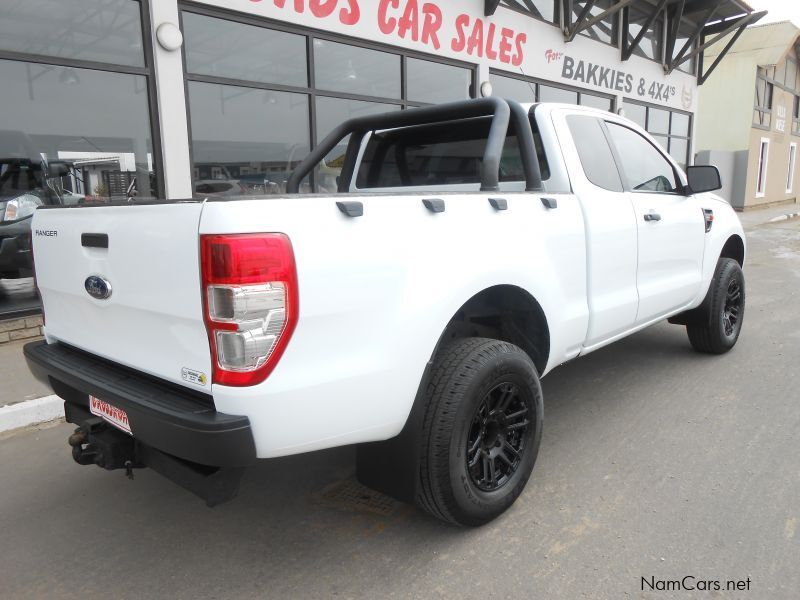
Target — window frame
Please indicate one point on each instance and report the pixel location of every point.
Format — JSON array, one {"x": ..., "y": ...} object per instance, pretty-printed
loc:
[
  {"x": 147, "y": 71},
  {"x": 792, "y": 167},
  {"x": 536, "y": 82},
  {"x": 604, "y": 132},
  {"x": 763, "y": 110},
  {"x": 680, "y": 189},
  {"x": 670, "y": 136},
  {"x": 761, "y": 167},
  {"x": 310, "y": 34}
]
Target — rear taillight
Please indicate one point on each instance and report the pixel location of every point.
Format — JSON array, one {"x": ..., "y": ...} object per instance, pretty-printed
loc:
[{"x": 250, "y": 302}]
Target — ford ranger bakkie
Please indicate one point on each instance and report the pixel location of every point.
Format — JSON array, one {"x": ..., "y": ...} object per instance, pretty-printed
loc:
[{"x": 469, "y": 249}]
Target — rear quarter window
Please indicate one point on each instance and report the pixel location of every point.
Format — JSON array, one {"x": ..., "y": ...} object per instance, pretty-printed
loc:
[
  {"x": 441, "y": 154},
  {"x": 594, "y": 152}
]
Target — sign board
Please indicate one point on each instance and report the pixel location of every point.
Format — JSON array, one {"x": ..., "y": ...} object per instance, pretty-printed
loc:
[{"x": 506, "y": 41}]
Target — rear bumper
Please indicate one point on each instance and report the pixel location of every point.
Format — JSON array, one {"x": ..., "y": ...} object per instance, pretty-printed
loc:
[{"x": 164, "y": 416}]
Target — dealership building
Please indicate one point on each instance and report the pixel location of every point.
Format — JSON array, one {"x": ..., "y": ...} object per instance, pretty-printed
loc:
[{"x": 115, "y": 100}]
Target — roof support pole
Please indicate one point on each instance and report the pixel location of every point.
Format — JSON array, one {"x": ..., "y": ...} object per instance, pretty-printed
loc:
[
  {"x": 674, "y": 61},
  {"x": 675, "y": 15},
  {"x": 627, "y": 49},
  {"x": 739, "y": 23},
  {"x": 489, "y": 7},
  {"x": 572, "y": 29},
  {"x": 703, "y": 75}
]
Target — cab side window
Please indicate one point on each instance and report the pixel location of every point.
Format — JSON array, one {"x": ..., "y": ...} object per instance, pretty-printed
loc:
[
  {"x": 645, "y": 168},
  {"x": 595, "y": 155}
]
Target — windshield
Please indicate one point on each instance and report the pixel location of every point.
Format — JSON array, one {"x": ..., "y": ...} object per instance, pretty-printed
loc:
[{"x": 19, "y": 175}]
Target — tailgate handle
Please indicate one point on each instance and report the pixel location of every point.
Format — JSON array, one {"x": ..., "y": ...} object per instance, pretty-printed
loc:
[{"x": 94, "y": 240}]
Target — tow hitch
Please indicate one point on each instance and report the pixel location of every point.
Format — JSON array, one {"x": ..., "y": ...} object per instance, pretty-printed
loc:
[{"x": 95, "y": 442}]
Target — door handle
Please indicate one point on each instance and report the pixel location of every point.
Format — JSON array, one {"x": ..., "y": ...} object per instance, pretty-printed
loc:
[{"x": 652, "y": 216}]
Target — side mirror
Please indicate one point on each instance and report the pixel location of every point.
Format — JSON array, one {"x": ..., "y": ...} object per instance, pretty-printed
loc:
[
  {"x": 703, "y": 178},
  {"x": 57, "y": 168}
]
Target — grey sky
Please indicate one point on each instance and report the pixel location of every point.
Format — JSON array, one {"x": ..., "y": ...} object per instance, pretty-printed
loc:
[{"x": 779, "y": 10}]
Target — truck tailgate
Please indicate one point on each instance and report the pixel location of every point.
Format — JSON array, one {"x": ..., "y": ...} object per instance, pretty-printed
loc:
[{"x": 153, "y": 318}]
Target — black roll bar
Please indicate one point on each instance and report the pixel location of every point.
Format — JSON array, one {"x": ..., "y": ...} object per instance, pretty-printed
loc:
[
  {"x": 501, "y": 111},
  {"x": 527, "y": 149}
]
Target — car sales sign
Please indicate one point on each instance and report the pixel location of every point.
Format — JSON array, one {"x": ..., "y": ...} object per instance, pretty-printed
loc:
[{"x": 507, "y": 41}]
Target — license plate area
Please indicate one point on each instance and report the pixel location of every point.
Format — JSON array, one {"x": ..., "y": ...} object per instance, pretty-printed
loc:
[{"x": 110, "y": 413}]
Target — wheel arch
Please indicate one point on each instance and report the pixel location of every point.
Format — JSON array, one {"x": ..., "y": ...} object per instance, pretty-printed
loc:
[
  {"x": 733, "y": 248},
  {"x": 505, "y": 312}
]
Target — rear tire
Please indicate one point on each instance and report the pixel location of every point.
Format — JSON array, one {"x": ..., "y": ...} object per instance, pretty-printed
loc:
[
  {"x": 718, "y": 326},
  {"x": 481, "y": 431}
]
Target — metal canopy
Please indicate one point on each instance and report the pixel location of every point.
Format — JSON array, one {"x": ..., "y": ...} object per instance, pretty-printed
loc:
[
  {"x": 713, "y": 19},
  {"x": 709, "y": 21}
]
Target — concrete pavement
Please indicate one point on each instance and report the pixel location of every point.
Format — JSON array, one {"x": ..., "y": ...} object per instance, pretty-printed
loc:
[{"x": 18, "y": 385}]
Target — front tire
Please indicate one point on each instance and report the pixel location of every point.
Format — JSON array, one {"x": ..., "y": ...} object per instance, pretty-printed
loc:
[
  {"x": 481, "y": 431},
  {"x": 718, "y": 327}
]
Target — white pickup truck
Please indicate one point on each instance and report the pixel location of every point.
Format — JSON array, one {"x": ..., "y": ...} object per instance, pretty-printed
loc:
[{"x": 472, "y": 248}]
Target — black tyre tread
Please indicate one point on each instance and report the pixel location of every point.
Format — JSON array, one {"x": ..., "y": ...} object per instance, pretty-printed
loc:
[
  {"x": 705, "y": 337},
  {"x": 444, "y": 394},
  {"x": 700, "y": 338}
]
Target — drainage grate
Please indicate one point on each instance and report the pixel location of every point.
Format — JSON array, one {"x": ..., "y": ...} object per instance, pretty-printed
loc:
[{"x": 350, "y": 495}]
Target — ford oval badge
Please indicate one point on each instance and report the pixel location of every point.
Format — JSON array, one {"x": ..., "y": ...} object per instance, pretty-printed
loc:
[{"x": 97, "y": 287}]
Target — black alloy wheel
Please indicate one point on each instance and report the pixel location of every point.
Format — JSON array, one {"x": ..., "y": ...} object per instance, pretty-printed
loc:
[
  {"x": 717, "y": 322},
  {"x": 496, "y": 441},
  {"x": 481, "y": 430},
  {"x": 733, "y": 307}
]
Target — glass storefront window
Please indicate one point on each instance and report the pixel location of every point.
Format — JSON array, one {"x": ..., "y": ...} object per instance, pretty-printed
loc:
[
  {"x": 680, "y": 124},
  {"x": 436, "y": 82},
  {"x": 678, "y": 149},
  {"x": 662, "y": 140},
  {"x": 245, "y": 140},
  {"x": 600, "y": 102},
  {"x": 74, "y": 136},
  {"x": 658, "y": 120},
  {"x": 95, "y": 122},
  {"x": 553, "y": 94},
  {"x": 636, "y": 113},
  {"x": 512, "y": 89},
  {"x": 523, "y": 90},
  {"x": 108, "y": 31},
  {"x": 345, "y": 68},
  {"x": 221, "y": 48},
  {"x": 671, "y": 129},
  {"x": 248, "y": 131}
]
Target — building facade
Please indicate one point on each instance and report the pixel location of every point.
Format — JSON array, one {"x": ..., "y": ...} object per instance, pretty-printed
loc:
[
  {"x": 117, "y": 100},
  {"x": 749, "y": 117}
]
